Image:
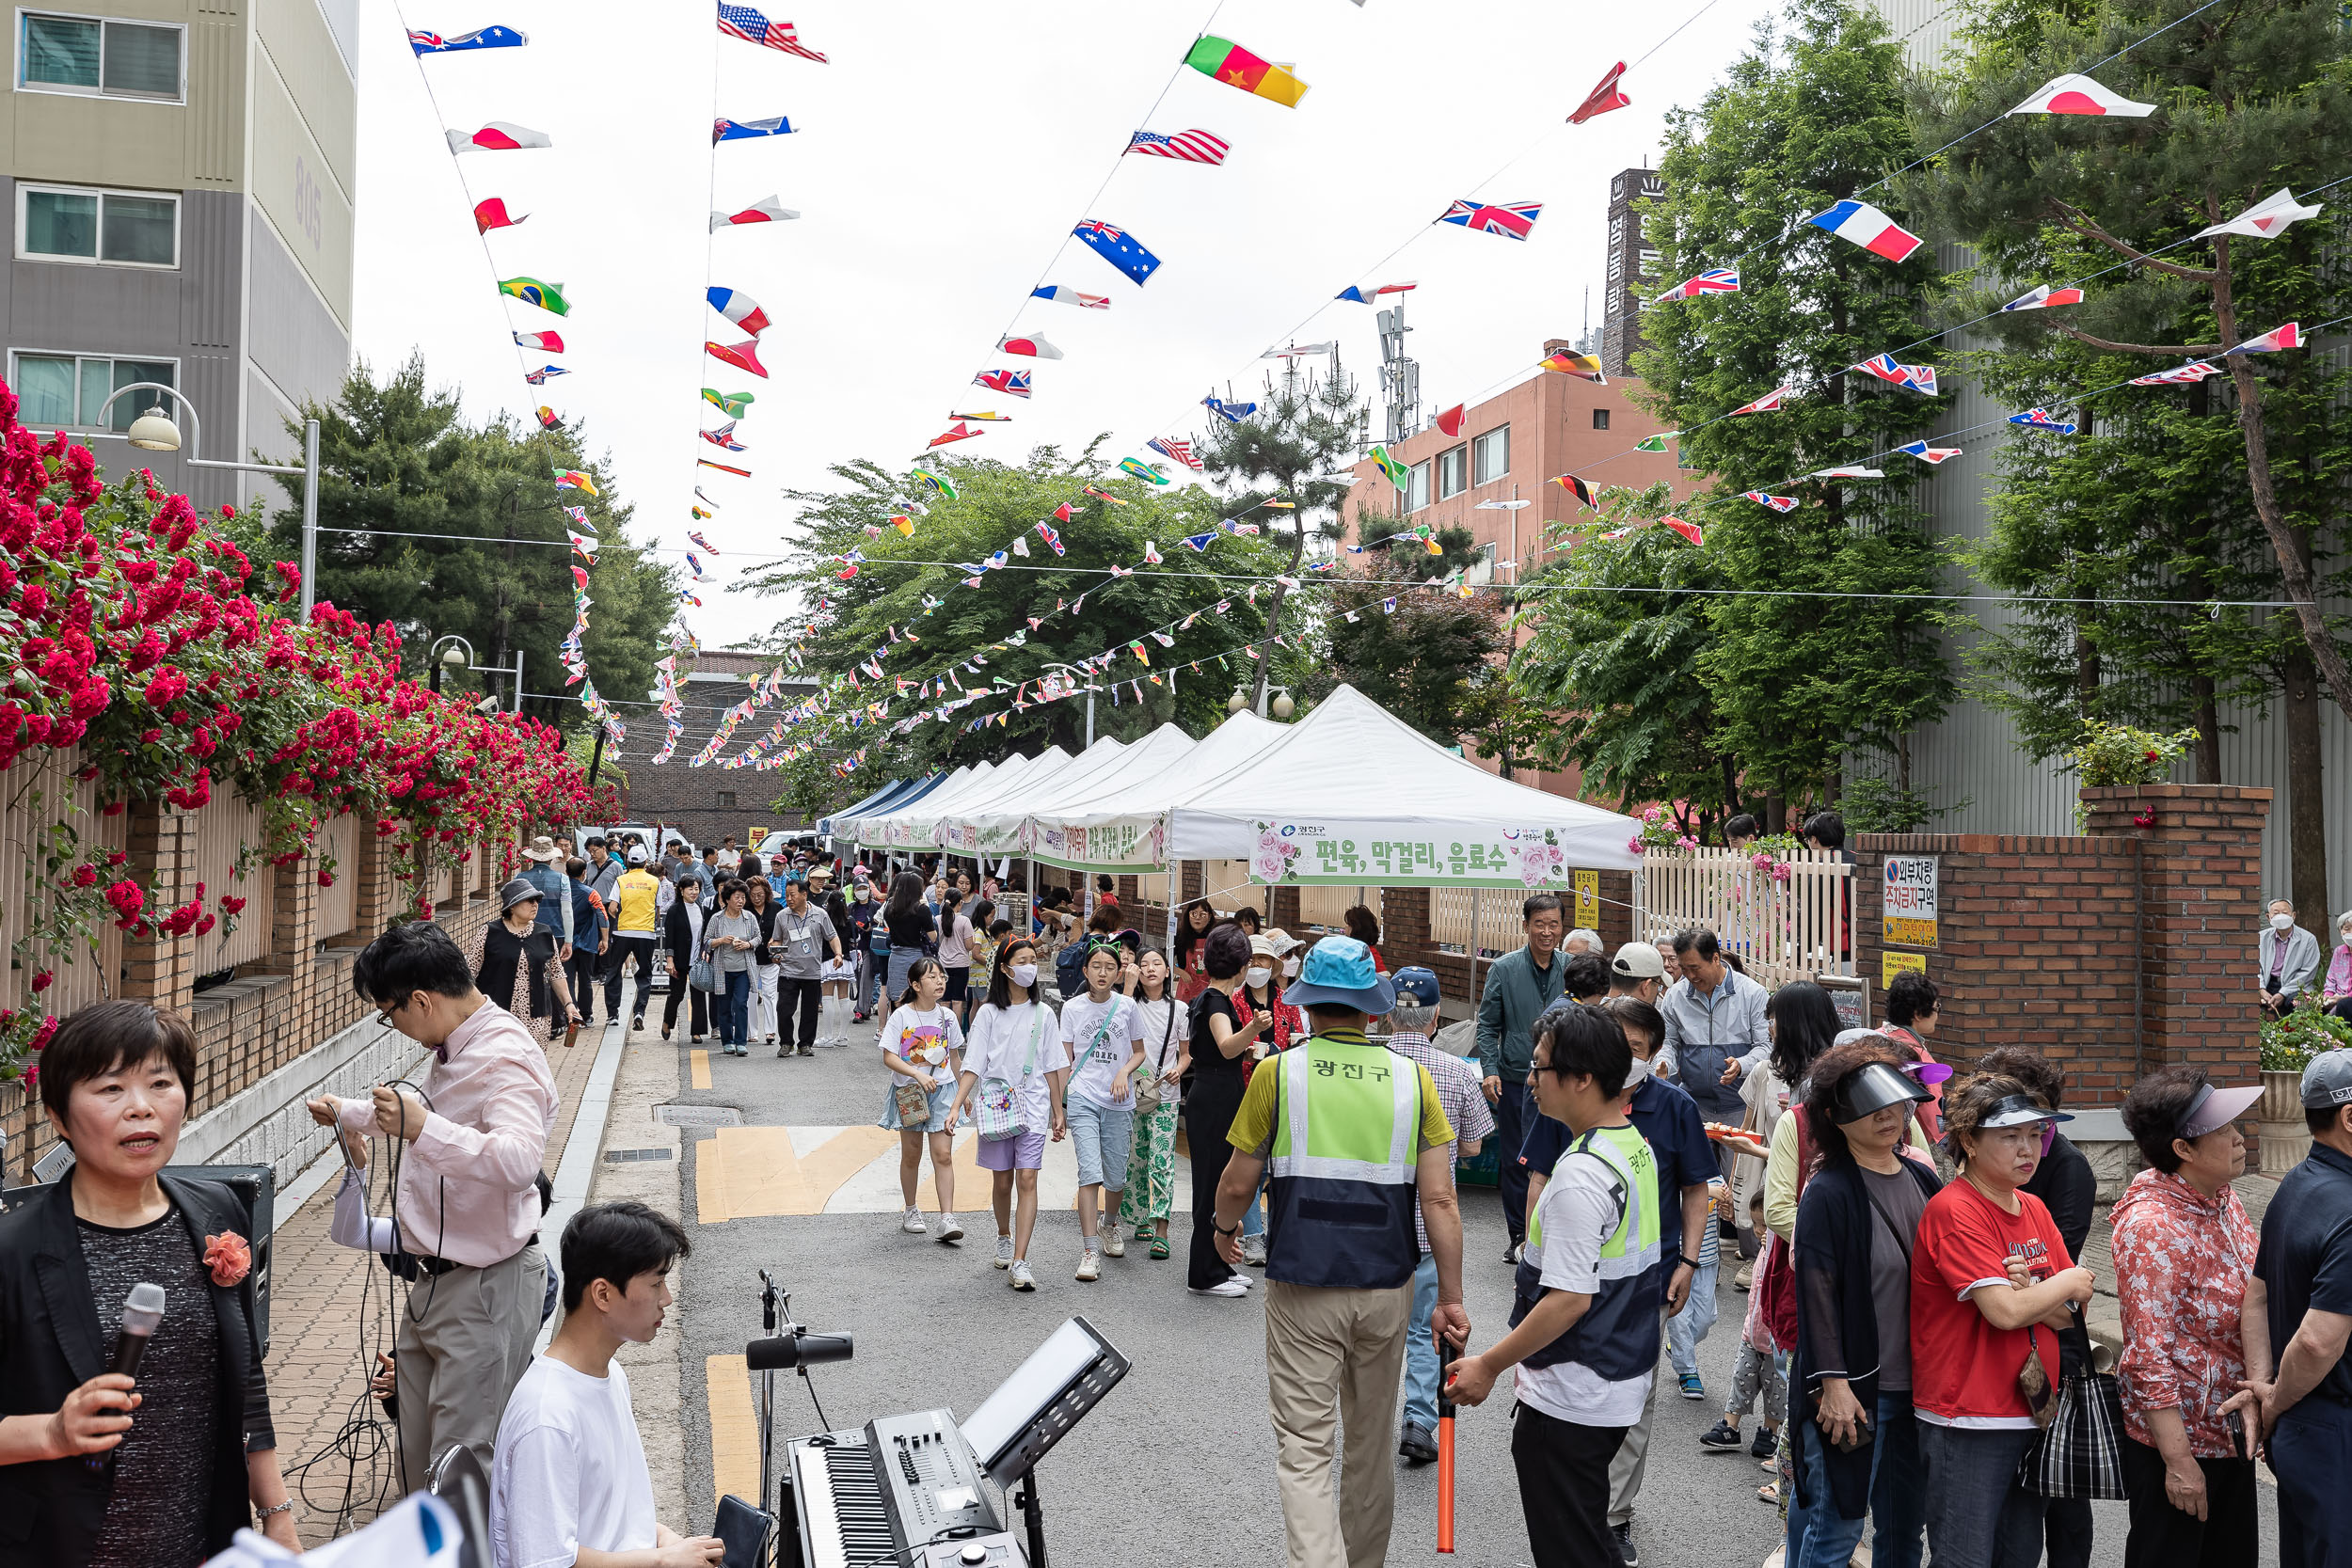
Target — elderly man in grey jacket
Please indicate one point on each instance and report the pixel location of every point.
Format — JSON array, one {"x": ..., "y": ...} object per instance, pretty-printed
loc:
[
  {"x": 2289, "y": 960},
  {"x": 1715, "y": 1028}
]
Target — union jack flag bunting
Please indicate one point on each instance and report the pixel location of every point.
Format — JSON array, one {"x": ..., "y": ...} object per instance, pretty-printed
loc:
[
  {"x": 723, "y": 437},
  {"x": 1191, "y": 147},
  {"x": 1723, "y": 280},
  {"x": 741, "y": 22},
  {"x": 2042, "y": 419},
  {"x": 1510, "y": 219},
  {"x": 539, "y": 376},
  {"x": 1177, "y": 448},
  {"x": 1778, "y": 503},
  {"x": 1052, "y": 537},
  {"x": 1927, "y": 453},
  {"x": 1919, "y": 378},
  {"x": 1013, "y": 384}
]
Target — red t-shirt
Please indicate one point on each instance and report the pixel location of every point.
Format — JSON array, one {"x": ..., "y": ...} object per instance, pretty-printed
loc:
[{"x": 1964, "y": 1370}]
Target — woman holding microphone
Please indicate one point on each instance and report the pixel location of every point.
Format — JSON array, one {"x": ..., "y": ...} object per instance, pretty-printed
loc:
[{"x": 94, "y": 1467}]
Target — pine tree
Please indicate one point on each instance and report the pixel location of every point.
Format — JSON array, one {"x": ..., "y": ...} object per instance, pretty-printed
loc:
[{"x": 1830, "y": 643}]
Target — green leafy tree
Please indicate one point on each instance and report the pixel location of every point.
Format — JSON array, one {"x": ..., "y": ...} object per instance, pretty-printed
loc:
[
  {"x": 1800, "y": 677},
  {"x": 1308, "y": 425},
  {"x": 445, "y": 526},
  {"x": 979, "y": 639},
  {"x": 1619, "y": 627},
  {"x": 2249, "y": 100},
  {"x": 1429, "y": 662}
]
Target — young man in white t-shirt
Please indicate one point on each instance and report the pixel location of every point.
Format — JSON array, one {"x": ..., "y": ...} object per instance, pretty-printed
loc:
[{"x": 570, "y": 1487}]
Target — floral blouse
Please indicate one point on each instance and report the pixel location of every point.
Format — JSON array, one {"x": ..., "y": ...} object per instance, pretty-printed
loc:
[{"x": 2182, "y": 1261}]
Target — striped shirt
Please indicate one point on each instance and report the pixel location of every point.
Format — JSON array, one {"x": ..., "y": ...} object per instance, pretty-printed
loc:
[{"x": 1458, "y": 1093}]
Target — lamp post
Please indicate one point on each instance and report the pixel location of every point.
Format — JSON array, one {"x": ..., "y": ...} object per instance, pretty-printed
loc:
[
  {"x": 460, "y": 656},
  {"x": 1282, "y": 707},
  {"x": 1081, "y": 676},
  {"x": 155, "y": 431}
]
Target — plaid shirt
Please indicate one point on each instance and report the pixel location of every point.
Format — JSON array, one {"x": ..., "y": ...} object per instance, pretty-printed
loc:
[{"x": 1458, "y": 1093}]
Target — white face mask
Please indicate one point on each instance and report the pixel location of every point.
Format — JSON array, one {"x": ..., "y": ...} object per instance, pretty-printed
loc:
[
  {"x": 1290, "y": 969},
  {"x": 1258, "y": 977},
  {"x": 1641, "y": 1071},
  {"x": 1024, "y": 974},
  {"x": 2282, "y": 923}
]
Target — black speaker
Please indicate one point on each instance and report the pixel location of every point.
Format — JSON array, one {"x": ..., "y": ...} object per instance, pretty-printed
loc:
[{"x": 256, "y": 1187}]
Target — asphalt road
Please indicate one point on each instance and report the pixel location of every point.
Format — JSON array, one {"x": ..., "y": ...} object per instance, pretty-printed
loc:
[{"x": 1177, "y": 1464}]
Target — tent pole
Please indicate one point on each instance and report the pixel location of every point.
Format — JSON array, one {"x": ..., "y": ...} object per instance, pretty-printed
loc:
[
  {"x": 1171, "y": 928},
  {"x": 1474, "y": 945}
]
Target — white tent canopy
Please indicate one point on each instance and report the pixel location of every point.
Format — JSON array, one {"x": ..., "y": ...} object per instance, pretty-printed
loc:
[
  {"x": 1118, "y": 828},
  {"x": 1157, "y": 755},
  {"x": 898, "y": 828},
  {"x": 958, "y": 828},
  {"x": 1353, "y": 795},
  {"x": 863, "y": 830}
]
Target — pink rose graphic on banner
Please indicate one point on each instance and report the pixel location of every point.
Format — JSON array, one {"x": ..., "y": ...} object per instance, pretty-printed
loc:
[
  {"x": 1541, "y": 862},
  {"x": 1272, "y": 862}
]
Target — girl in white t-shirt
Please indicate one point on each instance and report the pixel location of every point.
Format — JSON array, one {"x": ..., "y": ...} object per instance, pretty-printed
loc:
[
  {"x": 1166, "y": 1052},
  {"x": 922, "y": 1047},
  {"x": 1105, "y": 1039},
  {"x": 1015, "y": 1041}
]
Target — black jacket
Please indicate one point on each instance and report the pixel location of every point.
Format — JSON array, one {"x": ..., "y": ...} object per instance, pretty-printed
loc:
[
  {"x": 2069, "y": 1188},
  {"x": 53, "y": 1339},
  {"x": 678, "y": 936},
  {"x": 1836, "y": 1226}
]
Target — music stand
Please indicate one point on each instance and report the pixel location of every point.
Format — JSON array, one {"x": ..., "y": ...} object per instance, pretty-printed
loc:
[{"x": 1034, "y": 1408}]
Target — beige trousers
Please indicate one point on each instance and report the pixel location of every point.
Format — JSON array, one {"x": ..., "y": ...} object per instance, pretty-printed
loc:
[
  {"x": 463, "y": 1343},
  {"x": 1335, "y": 1353}
]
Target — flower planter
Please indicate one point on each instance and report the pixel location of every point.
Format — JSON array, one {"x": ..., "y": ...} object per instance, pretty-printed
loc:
[{"x": 2285, "y": 1138}]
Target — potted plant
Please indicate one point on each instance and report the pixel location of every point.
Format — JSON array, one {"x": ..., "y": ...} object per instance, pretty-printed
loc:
[{"x": 2288, "y": 1045}]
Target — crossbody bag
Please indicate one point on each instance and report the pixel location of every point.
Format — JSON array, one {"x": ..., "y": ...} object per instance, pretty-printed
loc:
[
  {"x": 1148, "y": 1093},
  {"x": 996, "y": 1109}
]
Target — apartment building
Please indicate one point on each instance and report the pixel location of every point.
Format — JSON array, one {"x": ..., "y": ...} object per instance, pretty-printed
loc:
[{"x": 181, "y": 174}]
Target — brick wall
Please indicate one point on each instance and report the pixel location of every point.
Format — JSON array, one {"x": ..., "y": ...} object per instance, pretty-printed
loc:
[{"x": 271, "y": 1012}]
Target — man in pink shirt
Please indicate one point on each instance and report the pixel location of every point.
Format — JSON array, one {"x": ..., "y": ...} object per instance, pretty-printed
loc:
[{"x": 467, "y": 1202}]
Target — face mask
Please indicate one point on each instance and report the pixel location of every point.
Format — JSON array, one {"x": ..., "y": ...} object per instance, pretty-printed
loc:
[
  {"x": 1258, "y": 977},
  {"x": 1290, "y": 969},
  {"x": 1641, "y": 1071},
  {"x": 2282, "y": 923},
  {"x": 1024, "y": 974}
]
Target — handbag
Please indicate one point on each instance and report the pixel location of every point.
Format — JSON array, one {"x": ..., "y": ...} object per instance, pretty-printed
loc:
[
  {"x": 702, "y": 975},
  {"x": 2079, "y": 1453},
  {"x": 2033, "y": 1384},
  {"x": 996, "y": 1109},
  {"x": 913, "y": 1101},
  {"x": 1148, "y": 1092}
]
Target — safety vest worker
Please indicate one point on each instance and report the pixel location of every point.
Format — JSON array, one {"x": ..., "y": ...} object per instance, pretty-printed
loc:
[{"x": 1352, "y": 1134}]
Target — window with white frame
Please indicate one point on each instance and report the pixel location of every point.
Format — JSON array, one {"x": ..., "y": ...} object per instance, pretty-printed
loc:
[
  {"x": 1453, "y": 473},
  {"x": 1417, "y": 486},
  {"x": 65, "y": 391},
  {"x": 98, "y": 56},
  {"x": 1490, "y": 455},
  {"x": 118, "y": 228}
]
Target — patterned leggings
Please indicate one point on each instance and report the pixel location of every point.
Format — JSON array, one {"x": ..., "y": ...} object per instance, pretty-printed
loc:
[
  {"x": 1759, "y": 1371},
  {"x": 1151, "y": 1169}
]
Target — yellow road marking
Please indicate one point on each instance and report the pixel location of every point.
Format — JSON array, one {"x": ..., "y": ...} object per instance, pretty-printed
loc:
[
  {"x": 734, "y": 1429},
  {"x": 698, "y": 1068}
]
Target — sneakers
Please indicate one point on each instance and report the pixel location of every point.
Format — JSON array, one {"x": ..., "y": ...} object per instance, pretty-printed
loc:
[
  {"x": 1416, "y": 1445},
  {"x": 913, "y": 1225},
  {"x": 1723, "y": 1437},
  {"x": 805, "y": 1051},
  {"x": 1022, "y": 1278},
  {"x": 1767, "y": 1444},
  {"x": 1625, "y": 1544},
  {"x": 1236, "y": 1286},
  {"x": 1089, "y": 1266},
  {"x": 948, "y": 1229},
  {"x": 1691, "y": 1387},
  {"x": 1003, "y": 1255},
  {"x": 1511, "y": 1255},
  {"x": 1114, "y": 1244},
  {"x": 1254, "y": 1251}
]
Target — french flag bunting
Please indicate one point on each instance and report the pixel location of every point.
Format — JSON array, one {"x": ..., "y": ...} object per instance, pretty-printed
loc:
[{"x": 1859, "y": 223}]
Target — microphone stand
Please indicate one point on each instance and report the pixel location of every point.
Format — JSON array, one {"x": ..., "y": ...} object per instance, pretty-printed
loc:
[{"x": 768, "y": 1305}]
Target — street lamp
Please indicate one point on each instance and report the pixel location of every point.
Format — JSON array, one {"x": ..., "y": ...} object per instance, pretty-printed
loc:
[
  {"x": 1237, "y": 701},
  {"x": 155, "y": 431},
  {"x": 1283, "y": 708},
  {"x": 460, "y": 656}
]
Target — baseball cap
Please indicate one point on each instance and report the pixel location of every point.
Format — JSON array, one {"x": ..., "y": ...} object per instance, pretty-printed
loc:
[
  {"x": 1639, "y": 960},
  {"x": 1419, "y": 984},
  {"x": 1340, "y": 973},
  {"x": 2328, "y": 1081},
  {"x": 637, "y": 855}
]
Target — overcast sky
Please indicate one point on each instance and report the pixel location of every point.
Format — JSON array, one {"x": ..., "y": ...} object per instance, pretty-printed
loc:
[{"x": 938, "y": 163}]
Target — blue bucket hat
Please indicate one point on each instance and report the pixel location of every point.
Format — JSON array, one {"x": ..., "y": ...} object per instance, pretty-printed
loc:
[
  {"x": 1339, "y": 973},
  {"x": 1416, "y": 983}
]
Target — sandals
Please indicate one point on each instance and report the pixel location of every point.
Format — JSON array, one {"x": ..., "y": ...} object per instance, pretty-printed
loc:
[
  {"x": 1159, "y": 1249},
  {"x": 1769, "y": 1492}
]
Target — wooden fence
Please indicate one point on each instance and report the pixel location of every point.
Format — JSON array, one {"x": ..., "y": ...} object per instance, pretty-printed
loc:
[
  {"x": 1480, "y": 923},
  {"x": 1783, "y": 928},
  {"x": 32, "y": 794},
  {"x": 228, "y": 861}
]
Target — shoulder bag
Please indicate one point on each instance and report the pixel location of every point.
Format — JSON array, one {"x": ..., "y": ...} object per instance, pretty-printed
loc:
[
  {"x": 996, "y": 1109},
  {"x": 2079, "y": 1453},
  {"x": 1148, "y": 1092}
]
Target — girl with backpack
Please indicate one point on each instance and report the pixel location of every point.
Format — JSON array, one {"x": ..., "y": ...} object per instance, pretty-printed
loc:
[
  {"x": 1011, "y": 1078},
  {"x": 922, "y": 1047}
]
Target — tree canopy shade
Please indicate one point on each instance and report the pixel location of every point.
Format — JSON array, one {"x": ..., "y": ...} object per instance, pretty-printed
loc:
[
  {"x": 2156, "y": 503},
  {"x": 1800, "y": 123},
  {"x": 453, "y": 528},
  {"x": 979, "y": 639}
]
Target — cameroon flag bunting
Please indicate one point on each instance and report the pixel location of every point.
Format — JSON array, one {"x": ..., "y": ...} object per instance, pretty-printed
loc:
[{"x": 1236, "y": 67}]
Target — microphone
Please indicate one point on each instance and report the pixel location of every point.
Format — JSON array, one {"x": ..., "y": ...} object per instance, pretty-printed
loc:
[
  {"x": 141, "y": 1311},
  {"x": 801, "y": 1350}
]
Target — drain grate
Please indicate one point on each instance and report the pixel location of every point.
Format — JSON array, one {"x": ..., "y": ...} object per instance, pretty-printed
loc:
[
  {"x": 623, "y": 1156},
  {"x": 698, "y": 1116}
]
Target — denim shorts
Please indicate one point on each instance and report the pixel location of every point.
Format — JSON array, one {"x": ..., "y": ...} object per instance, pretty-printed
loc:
[
  {"x": 1102, "y": 1134},
  {"x": 942, "y": 1096}
]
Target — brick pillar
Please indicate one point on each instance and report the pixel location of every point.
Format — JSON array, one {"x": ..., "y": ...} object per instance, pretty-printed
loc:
[
  {"x": 1192, "y": 880},
  {"x": 161, "y": 969},
  {"x": 369, "y": 866},
  {"x": 1286, "y": 914},
  {"x": 1616, "y": 910},
  {"x": 293, "y": 893},
  {"x": 1404, "y": 927},
  {"x": 2200, "y": 907}
]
